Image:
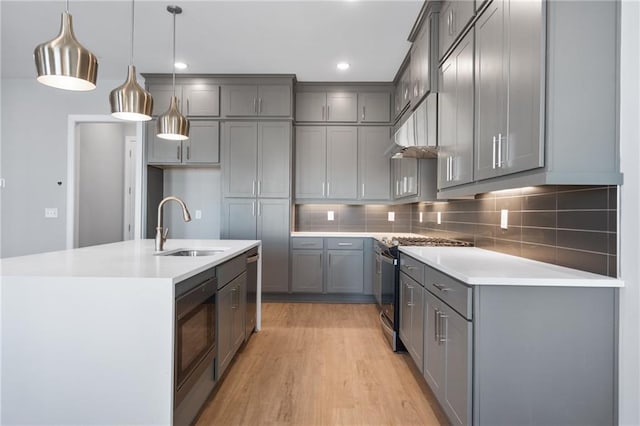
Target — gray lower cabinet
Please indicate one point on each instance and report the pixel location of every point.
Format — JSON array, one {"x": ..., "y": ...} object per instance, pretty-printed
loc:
[
  {"x": 257, "y": 159},
  {"x": 267, "y": 220},
  {"x": 328, "y": 265},
  {"x": 250, "y": 100},
  {"x": 455, "y": 116},
  {"x": 412, "y": 317},
  {"x": 202, "y": 147}
]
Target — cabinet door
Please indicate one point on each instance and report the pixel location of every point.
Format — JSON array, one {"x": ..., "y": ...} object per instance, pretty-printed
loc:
[
  {"x": 162, "y": 94},
  {"x": 311, "y": 160},
  {"x": 239, "y": 218},
  {"x": 240, "y": 153},
  {"x": 274, "y": 101},
  {"x": 311, "y": 106},
  {"x": 525, "y": 141},
  {"x": 274, "y": 160},
  {"x": 342, "y": 107},
  {"x": 434, "y": 350},
  {"x": 274, "y": 229},
  {"x": 374, "y": 107},
  {"x": 405, "y": 79},
  {"x": 491, "y": 91},
  {"x": 224, "y": 308},
  {"x": 239, "y": 310},
  {"x": 342, "y": 168},
  {"x": 404, "y": 328},
  {"x": 345, "y": 271},
  {"x": 306, "y": 271},
  {"x": 455, "y": 116},
  {"x": 203, "y": 145},
  {"x": 410, "y": 176},
  {"x": 373, "y": 166},
  {"x": 446, "y": 34},
  {"x": 161, "y": 151},
  {"x": 458, "y": 344},
  {"x": 201, "y": 100},
  {"x": 417, "y": 325},
  {"x": 239, "y": 100}
]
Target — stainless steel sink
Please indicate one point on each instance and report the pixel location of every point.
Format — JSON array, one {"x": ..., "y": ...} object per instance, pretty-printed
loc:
[{"x": 192, "y": 253}]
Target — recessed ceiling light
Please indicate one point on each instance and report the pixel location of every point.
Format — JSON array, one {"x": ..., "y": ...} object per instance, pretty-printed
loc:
[
  {"x": 343, "y": 66},
  {"x": 180, "y": 66}
]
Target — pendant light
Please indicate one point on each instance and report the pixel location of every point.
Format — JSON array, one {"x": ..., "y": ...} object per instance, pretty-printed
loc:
[
  {"x": 130, "y": 101},
  {"x": 63, "y": 62},
  {"x": 172, "y": 124}
]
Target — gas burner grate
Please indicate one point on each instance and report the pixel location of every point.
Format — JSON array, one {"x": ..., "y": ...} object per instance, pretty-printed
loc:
[{"x": 426, "y": 241}]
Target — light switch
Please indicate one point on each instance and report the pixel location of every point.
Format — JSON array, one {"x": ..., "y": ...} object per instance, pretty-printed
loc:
[
  {"x": 391, "y": 216},
  {"x": 51, "y": 212},
  {"x": 198, "y": 214},
  {"x": 330, "y": 215},
  {"x": 504, "y": 219}
]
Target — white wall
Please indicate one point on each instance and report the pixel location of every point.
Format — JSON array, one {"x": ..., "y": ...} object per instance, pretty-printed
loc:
[
  {"x": 34, "y": 159},
  {"x": 629, "y": 375}
]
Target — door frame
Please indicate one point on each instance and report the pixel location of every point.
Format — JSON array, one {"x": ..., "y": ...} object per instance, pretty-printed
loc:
[{"x": 72, "y": 173}]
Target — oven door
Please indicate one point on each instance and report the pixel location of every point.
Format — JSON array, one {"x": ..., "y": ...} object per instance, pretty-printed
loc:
[
  {"x": 195, "y": 336},
  {"x": 388, "y": 285}
]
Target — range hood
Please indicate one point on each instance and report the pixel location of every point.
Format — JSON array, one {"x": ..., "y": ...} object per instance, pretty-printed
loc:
[{"x": 417, "y": 137}]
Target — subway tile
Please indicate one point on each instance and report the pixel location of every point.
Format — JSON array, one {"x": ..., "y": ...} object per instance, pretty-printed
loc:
[
  {"x": 462, "y": 228},
  {"x": 539, "y": 236},
  {"x": 544, "y": 219},
  {"x": 586, "y": 220},
  {"x": 488, "y": 217},
  {"x": 582, "y": 240},
  {"x": 513, "y": 248},
  {"x": 512, "y": 233},
  {"x": 613, "y": 197},
  {"x": 463, "y": 217},
  {"x": 613, "y": 243},
  {"x": 593, "y": 199},
  {"x": 462, "y": 205},
  {"x": 379, "y": 227},
  {"x": 486, "y": 204},
  {"x": 542, "y": 253},
  {"x": 509, "y": 203},
  {"x": 485, "y": 243},
  {"x": 486, "y": 231},
  {"x": 543, "y": 189},
  {"x": 514, "y": 218},
  {"x": 613, "y": 267},
  {"x": 612, "y": 221},
  {"x": 539, "y": 202},
  {"x": 507, "y": 193},
  {"x": 585, "y": 261}
]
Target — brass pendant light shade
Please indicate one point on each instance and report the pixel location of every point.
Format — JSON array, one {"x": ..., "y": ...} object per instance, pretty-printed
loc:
[
  {"x": 130, "y": 101},
  {"x": 64, "y": 63},
  {"x": 172, "y": 124}
]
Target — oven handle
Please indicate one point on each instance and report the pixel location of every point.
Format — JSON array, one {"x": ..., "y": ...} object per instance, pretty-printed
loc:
[
  {"x": 388, "y": 259},
  {"x": 253, "y": 259},
  {"x": 383, "y": 321}
]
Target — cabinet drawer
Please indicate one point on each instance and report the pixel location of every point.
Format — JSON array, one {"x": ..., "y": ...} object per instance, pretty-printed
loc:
[
  {"x": 451, "y": 291},
  {"x": 412, "y": 267},
  {"x": 230, "y": 269},
  {"x": 344, "y": 243},
  {"x": 307, "y": 243}
]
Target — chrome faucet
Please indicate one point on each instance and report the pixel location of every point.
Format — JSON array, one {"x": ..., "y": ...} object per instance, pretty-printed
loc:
[{"x": 161, "y": 233}]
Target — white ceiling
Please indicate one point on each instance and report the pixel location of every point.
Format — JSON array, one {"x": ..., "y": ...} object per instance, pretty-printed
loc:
[{"x": 306, "y": 38}]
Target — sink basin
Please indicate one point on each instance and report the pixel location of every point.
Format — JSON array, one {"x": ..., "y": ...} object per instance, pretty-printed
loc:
[{"x": 192, "y": 253}]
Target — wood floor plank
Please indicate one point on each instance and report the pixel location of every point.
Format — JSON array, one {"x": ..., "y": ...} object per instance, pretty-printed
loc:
[{"x": 320, "y": 364}]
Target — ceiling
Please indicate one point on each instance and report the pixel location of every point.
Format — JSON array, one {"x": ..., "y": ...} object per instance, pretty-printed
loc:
[{"x": 306, "y": 38}]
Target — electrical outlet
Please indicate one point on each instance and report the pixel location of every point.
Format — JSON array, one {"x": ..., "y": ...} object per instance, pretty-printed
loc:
[
  {"x": 51, "y": 212},
  {"x": 391, "y": 216},
  {"x": 421, "y": 214},
  {"x": 504, "y": 219},
  {"x": 330, "y": 215},
  {"x": 439, "y": 218},
  {"x": 198, "y": 214}
]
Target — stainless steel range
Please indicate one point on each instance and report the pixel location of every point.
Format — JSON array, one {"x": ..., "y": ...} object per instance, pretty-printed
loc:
[{"x": 387, "y": 279}]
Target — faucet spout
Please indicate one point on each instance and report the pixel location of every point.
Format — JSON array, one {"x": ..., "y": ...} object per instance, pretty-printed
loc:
[{"x": 161, "y": 232}]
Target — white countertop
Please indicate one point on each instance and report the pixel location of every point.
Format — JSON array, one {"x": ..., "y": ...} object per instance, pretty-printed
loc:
[
  {"x": 126, "y": 259},
  {"x": 475, "y": 266}
]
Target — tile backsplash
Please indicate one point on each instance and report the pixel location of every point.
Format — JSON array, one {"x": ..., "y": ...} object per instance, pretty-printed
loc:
[{"x": 574, "y": 226}]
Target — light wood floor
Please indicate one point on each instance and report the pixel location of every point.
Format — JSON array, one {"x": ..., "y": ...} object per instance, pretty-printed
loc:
[{"x": 320, "y": 364}]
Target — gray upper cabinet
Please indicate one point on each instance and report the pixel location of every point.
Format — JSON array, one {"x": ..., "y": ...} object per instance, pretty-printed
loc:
[
  {"x": 374, "y": 107},
  {"x": 250, "y": 100},
  {"x": 202, "y": 147},
  {"x": 257, "y": 159},
  {"x": 373, "y": 165},
  {"x": 269, "y": 221},
  {"x": 194, "y": 100},
  {"x": 509, "y": 49},
  {"x": 455, "y": 116},
  {"x": 325, "y": 162},
  {"x": 424, "y": 59},
  {"x": 327, "y": 106},
  {"x": 345, "y": 271},
  {"x": 455, "y": 15},
  {"x": 405, "y": 177}
]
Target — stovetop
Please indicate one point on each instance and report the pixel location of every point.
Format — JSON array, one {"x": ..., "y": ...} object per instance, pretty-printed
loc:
[{"x": 424, "y": 241}]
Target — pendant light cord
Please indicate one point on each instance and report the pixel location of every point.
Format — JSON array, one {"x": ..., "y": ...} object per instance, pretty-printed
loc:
[
  {"x": 133, "y": 11},
  {"x": 67, "y": 6},
  {"x": 173, "y": 65}
]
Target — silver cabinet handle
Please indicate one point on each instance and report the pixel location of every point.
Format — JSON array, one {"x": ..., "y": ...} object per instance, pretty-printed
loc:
[
  {"x": 323, "y": 112},
  {"x": 345, "y": 244},
  {"x": 493, "y": 154},
  {"x": 499, "y": 150},
  {"x": 178, "y": 151},
  {"x": 363, "y": 190},
  {"x": 323, "y": 189},
  {"x": 259, "y": 208},
  {"x": 259, "y": 188},
  {"x": 253, "y": 188},
  {"x": 443, "y": 327},
  {"x": 328, "y": 183},
  {"x": 188, "y": 106},
  {"x": 253, "y": 208},
  {"x": 453, "y": 22},
  {"x": 308, "y": 244},
  {"x": 189, "y": 151},
  {"x": 328, "y": 110},
  {"x": 409, "y": 267},
  {"x": 410, "y": 303},
  {"x": 363, "y": 112},
  {"x": 329, "y": 259},
  {"x": 259, "y": 105},
  {"x": 451, "y": 168},
  {"x": 441, "y": 287},
  {"x": 436, "y": 326},
  {"x": 253, "y": 259}
]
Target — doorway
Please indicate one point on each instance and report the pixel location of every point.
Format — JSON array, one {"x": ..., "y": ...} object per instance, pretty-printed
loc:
[{"x": 103, "y": 181}]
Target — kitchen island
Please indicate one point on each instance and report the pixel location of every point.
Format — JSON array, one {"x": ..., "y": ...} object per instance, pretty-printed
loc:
[{"x": 88, "y": 334}]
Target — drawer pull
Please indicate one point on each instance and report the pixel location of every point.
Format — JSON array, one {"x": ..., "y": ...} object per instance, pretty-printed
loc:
[
  {"x": 409, "y": 267},
  {"x": 308, "y": 244},
  {"x": 441, "y": 287},
  {"x": 345, "y": 244}
]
